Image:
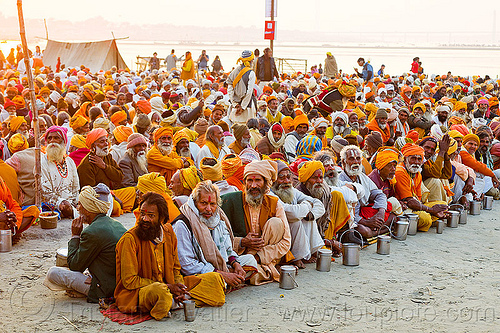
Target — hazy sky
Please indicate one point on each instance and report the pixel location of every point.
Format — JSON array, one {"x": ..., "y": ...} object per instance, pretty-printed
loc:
[{"x": 308, "y": 15}]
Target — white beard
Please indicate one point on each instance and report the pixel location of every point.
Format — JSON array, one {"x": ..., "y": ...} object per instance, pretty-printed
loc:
[
  {"x": 284, "y": 192},
  {"x": 353, "y": 170},
  {"x": 55, "y": 152},
  {"x": 101, "y": 152},
  {"x": 25, "y": 134},
  {"x": 413, "y": 168},
  {"x": 254, "y": 200},
  {"x": 318, "y": 191},
  {"x": 142, "y": 161},
  {"x": 220, "y": 143},
  {"x": 212, "y": 222},
  {"x": 184, "y": 152},
  {"x": 245, "y": 142},
  {"x": 339, "y": 129},
  {"x": 355, "y": 126},
  {"x": 382, "y": 126},
  {"x": 332, "y": 180},
  {"x": 165, "y": 148}
]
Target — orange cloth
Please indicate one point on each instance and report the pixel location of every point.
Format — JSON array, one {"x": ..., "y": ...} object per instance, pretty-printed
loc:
[
  {"x": 308, "y": 169},
  {"x": 411, "y": 149},
  {"x": 385, "y": 157},
  {"x": 405, "y": 186},
  {"x": 299, "y": 120},
  {"x": 9, "y": 175},
  {"x": 121, "y": 133},
  {"x": 8, "y": 202},
  {"x": 471, "y": 162},
  {"x": 143, "y": 106},
  {"x": 17, "y": 142},
  {"x": 373, "y": 126},
  {"x": 77, "y": 121},
  {"x": 117, "y": 117},
  {"x": 161, "y": 131},
  {"x": 84, "y": 110},
  {"x": 16, "y": 122},
  {"x": 165, "y": 165},
  {"x": 95, "y": 134}
]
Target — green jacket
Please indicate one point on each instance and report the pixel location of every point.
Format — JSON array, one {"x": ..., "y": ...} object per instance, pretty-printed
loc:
[{"x": 95, "y": 250}]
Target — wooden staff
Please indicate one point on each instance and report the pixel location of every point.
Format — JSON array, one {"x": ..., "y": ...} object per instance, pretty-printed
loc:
[{"x": 34, "y": 110}]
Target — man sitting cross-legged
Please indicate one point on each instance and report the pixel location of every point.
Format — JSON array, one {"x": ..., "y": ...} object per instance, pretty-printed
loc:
[
  {"x": 205, "y": 238},
  {"x": 148, "y": 272}
]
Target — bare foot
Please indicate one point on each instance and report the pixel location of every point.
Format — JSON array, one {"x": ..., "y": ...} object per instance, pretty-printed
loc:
[
  {"x": 311, "y": 260},
  {"x": 299, "y": 263},
  {"x": 74, "y": 294}
]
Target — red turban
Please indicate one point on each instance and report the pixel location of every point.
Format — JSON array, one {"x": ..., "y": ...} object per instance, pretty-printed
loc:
[{"x": 460, "y": 128}]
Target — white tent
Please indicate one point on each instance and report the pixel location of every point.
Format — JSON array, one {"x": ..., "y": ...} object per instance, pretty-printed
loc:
[{"x": 94, "y": 55}]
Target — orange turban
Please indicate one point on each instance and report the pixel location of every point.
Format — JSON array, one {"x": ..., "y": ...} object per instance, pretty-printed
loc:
[
  {"x": 94, "y": 135},
  {"x": 117, "y": 117},
  {"x": 386, "y": 156},
  {"x": 179, "y": 135},
  {"x": 161, "y": 132},
  {"x": 287, "y": 122},
  {"x": 460, "y": 128},
  {"x": 411, "y": 149},
  {"x": 189, "y": 177},
  {"x": 299, "y": 120},
  {"x": 143, "y": 106},
  {"x": 16, "y": 122},
  {"x": 308, "y": 169},
  {"x": 455, "y": 120},
  {"x": 121, "y": 133},
  {"x": 230, "y": 164},
  {"x": 369, "y": 94},
  {"x": 77, "y": 121},
  {"x": 493, "y": 101},
  {"x": 267, "y": 89},
  {"x": 78, "y": 141},
  {"x": 17, "y": 143},
  {"x": 347, "y": 90},
  {"x": 470, "y": 137},
  {"x": 413, "y": 135}
]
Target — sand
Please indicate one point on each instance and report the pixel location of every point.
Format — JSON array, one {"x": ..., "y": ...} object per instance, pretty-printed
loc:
[{"x": 428, "y": 283}]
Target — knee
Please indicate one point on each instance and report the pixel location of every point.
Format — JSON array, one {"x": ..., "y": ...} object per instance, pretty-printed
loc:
[
  {"x": 424, "y": 221},
  {"x": 53, "y": 273}
]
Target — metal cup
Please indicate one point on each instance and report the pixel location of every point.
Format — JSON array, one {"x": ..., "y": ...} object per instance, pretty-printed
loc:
[
  {"x": 383, "y": 244},
  {"x": 5, "y": 240},
  {"x": 413, "y": 224},
  {"x": 324, "y": 260},
  {"x": 439, "y": 226},
  {"x": 189, "y": 310},
  {"x": 453, "y": 219},
  {"x": 401, "y": 230},
  {"x": 488, "y": 202}
]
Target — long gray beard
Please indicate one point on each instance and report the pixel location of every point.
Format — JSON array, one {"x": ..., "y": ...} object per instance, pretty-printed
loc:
[
  {"x": 142, "y": 161},
  {"x": 318, "y": 191},
  {"x": 212, "y": 222},
  {"x": 413, "y": 168},
  {"x": 332, "y": 178},
  {"x": 284, "y": 192},
  {"x": 25, "y": 134},
  {"x": 55, "y": 152},
  {"x": 165, "y": 148}
]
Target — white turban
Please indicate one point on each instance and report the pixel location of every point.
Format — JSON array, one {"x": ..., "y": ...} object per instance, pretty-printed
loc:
[
  {"x": 93, "y": 201},
  {"x": 340, "y": 114}
]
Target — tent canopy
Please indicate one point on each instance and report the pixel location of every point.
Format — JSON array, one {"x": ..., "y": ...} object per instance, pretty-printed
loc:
[{"x": 94, "y": 55}]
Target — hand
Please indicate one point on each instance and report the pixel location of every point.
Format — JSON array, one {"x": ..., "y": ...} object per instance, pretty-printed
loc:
[
  {"x": 252, "y": 241},
  {"x": 444, "y": 144},
  {"x": 469, "y": 186},
  {"x": 178, "y": 290},
  {"x": 94, "y": 159},
  {"x": 232, "y": 279},
  {"x": 438, "y": 210},
  {"x": 495, "y": 181},
  {"x": 372, "y": 223},
  {"x": 9, "y": 218},
  {"x": 201, "y": 103},
  {"x": 363, "y": 131},
  {"x": 239, "y": 270},
  {"x": 77, "y": 226},
  {"x": 309, "y": 217}
]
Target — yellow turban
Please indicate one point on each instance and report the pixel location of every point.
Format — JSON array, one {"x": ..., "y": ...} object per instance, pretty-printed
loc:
[
  {"x": 121, "y": 133},
  {"x": 470, "y": 137},
  {"x": 372, "y": 109},
  {"x": 246, "y": 60},
  {"x": 455, "y": 134},
  {"x": 347, "y": 90},
  {"x": 89, "y": 199},
  {"x": 267, "y": 169},
  {"x": 308, "y": 169},
  {"x": 189, "y": 177},
  {"x": 117, "y": 117},
  {"x": 386, "y": 156},
  {"x": 152, "y": 182},
  {"x": 78, "y": 141},
  {"x": 77, "y": 121},
  {"x": 460, "y": 105},
  {"x": 17, "y": 143},
  {"x": 287, "y": 122},
  {"x": 179, "y": 135},
  {"x": 16, "y": 122},
  {"x": 213, "y": 173},
  {"x": 299, "y": 120},
  {"x": 451, "y": 149}
]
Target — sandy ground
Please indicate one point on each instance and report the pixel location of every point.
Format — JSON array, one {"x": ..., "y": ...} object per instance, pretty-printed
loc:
[{"x": 429, "y": 283}]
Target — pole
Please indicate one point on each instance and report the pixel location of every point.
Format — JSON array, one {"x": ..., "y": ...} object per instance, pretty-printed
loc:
[
  {"x": 34, "y": 111},
  {"x": 271, "y": 42},
  {"x": 46, "y": 30}
]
